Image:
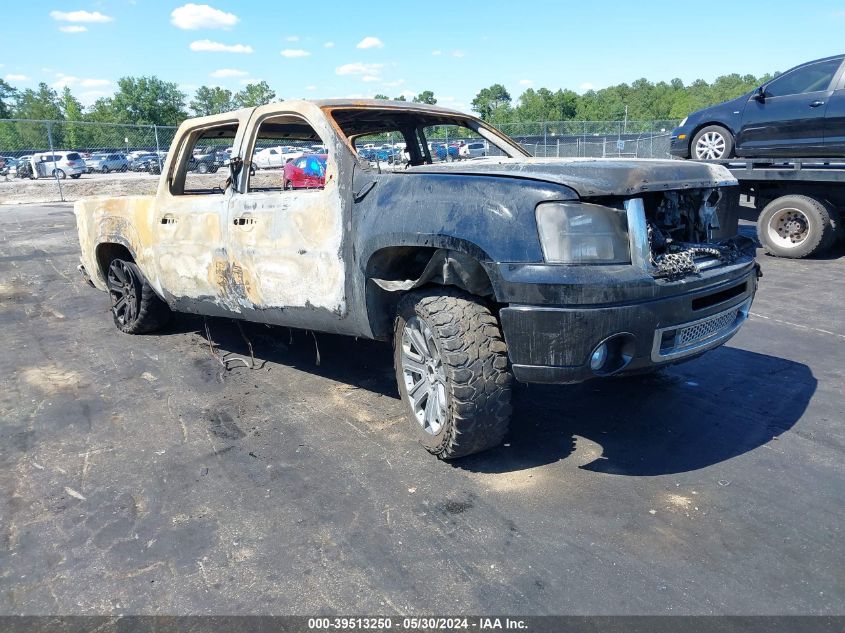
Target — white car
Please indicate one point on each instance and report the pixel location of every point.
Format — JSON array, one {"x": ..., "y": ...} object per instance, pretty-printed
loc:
[
  {"x": 274, "y": 157},
  {"x": 61, "y": 164},
  {"x": 472, "y": 150}
]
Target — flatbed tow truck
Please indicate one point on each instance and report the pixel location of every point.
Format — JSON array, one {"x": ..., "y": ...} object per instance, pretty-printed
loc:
[{"x": 800, "y": 201}]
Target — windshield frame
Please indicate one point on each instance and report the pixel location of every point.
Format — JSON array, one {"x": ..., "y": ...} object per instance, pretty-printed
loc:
[{"x": 423, "y": 118}]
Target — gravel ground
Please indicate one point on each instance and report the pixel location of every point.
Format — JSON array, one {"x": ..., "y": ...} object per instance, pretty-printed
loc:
[
  {"x": 137, "y": 477},
  {"x": 45, "y": 190}
]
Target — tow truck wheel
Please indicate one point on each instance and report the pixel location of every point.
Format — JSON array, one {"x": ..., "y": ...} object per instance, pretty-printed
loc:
[
  {"x": 135, "y": 307},
  {"x": 712, "y": 143},
  {"x": 797, "y": 226},
  {"x": 452, "y": 370}
]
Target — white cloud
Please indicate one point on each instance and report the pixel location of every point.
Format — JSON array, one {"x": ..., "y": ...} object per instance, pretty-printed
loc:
[
  {"x": 458, "y": 53},
  {"x": 311, "y": 87},
  {"x": 329, "y": 45},
  {"x": 526, "y": 82},
  {"x": 437, "y": 53},
  {"x": 90, "y": 96},
  {"x": 292, "y": 38},
  {"x": 73, "y": 28},
  {"x": 584, "y": 87},
  {"x": 15, "y": 77},
  {"x": 80, "y": 16},
  {"x": 201, "y": 16},
  {"x": 370, "y": 42},
  {"x": 69, "y": 80},
  {"x": 216, "y": 47},
  {"x": 291, "y": 53},
  {"x": 357, "y": 68},
  {"x": 221, "y": 73}
]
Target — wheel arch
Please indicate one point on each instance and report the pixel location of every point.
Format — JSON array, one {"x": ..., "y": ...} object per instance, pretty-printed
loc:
[
  {"x": 393, "y": 270},
  {"x": 705, "y": 124}
]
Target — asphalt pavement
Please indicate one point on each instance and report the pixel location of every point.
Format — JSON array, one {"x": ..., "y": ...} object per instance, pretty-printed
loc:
[{"x": 139, "y": 476}]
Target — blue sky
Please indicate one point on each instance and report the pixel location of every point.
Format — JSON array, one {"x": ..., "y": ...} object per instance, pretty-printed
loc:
[{"x": 312, "y": 49}]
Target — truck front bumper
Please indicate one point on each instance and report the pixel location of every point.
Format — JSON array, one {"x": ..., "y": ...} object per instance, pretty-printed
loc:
[{"x": 551, "y": 344}]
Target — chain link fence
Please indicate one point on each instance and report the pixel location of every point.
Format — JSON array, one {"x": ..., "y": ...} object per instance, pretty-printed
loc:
[{"x": 109, "y": 151}]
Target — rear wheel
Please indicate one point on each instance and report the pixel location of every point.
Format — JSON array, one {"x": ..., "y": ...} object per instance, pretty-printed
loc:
[
  {"x": 136, "y": 308},
  {"x": 797, "y": 226},
  {"x": 288, "y": 185},
  {"x": 105, "y": 169},
  {"x": 75, "y": 176},
  {"x": 712, "y": 143},
  {"x": 59, "y": 173},
  {"x": 452, "y": 371},
  {"x": 202, "y": 168}
]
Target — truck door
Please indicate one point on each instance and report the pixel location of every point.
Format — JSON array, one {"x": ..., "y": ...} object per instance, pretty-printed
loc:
[
  {"x": 286, "y": 244},
  {"x": 190, "y": 222},
  {"x": 834, "y": 120},
  {"x": 789, "y": 118}
]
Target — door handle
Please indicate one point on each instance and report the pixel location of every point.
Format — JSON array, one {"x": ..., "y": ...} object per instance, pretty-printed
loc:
[{"x": 816, "y": 104}]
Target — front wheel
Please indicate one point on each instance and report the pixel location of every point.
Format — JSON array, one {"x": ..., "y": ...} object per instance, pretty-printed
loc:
[
  {"x": 75, "y": 176},
  {"x": 135, "y": 307},
  {"x": 452, "y": 370},
  {"x": 712, "y": 143}
]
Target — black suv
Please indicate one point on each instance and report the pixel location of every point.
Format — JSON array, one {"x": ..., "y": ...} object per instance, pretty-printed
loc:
[{"x": 798, "y": 113}]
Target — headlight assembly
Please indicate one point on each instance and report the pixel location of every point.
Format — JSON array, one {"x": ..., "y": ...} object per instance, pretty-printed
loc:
[{"x": 583, "y": 233}]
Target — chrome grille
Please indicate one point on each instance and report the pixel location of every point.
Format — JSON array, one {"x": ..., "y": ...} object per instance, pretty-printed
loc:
[{"x": 705, "y": 329}]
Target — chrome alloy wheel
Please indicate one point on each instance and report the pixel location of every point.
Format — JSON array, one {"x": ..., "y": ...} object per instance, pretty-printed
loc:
[
  {"x": 710, "y": 146},
  {"x": 788, "y": 227},
  {"x": 425, "y": 378}
]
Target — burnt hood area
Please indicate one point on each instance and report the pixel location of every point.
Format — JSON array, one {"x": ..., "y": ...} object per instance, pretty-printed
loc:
[{"x": 594, "y": 177}]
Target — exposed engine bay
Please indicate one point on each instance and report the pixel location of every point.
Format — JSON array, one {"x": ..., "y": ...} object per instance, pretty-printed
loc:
[{"x": 681, "y": 225}]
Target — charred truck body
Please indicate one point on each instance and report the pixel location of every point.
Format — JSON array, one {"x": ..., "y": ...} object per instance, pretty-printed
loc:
[{"x": 479, "y": 270}]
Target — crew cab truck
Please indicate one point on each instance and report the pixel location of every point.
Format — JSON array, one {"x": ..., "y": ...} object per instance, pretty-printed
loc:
[
  {"x": 480, "y": 271},
  {"x": 800, "y": 202}
]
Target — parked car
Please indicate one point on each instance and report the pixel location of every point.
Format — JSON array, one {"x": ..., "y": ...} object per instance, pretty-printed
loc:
[
  {"x": 798, "y": 113},
  {"x": 472, "y": 150},
  {"x": 105, "y": 162},
  {"x": 59, "y": 164},
  {"x": 479, "y": 272},
  {"x": 208, "y": 160},
  {"x": 306, "y": 172},
  {"x": 274, "y": 157},
  {"x": 439, "y": 150},
  {"x": 147, "y": 162}
]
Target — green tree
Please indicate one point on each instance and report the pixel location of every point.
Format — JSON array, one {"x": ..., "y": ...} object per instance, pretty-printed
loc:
[
  {"x": 493, "y": 103},
  {"x": 72, "y": 111},
  {"x": 8, "y": 95},
  {"x": 211, "y": 100},
  {"x": 381, "y": 96},
  {"x": 255, "y": 95},
  {"x": 144, "y": 100},
  {"x": 400, "y": 98},
  {"x": 42, "y": 103},
  {"x": 426, "y": 96}
]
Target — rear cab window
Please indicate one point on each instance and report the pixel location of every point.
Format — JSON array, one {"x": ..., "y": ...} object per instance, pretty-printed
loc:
[{"x": 200, "y": 168}]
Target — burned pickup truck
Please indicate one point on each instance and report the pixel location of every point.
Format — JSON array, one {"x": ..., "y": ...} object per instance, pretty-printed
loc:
[{"x": 479, "y": 270}]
